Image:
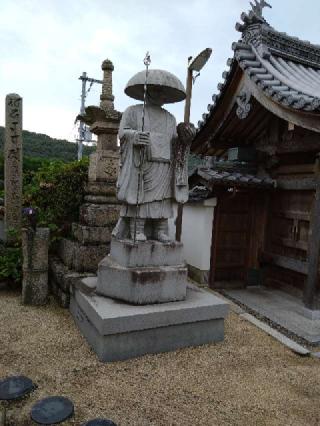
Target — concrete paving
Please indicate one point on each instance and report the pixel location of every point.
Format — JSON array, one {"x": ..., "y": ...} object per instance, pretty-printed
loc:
[
  {"x": 295, "y": 347},
  {"x": 281, "y": 308}
]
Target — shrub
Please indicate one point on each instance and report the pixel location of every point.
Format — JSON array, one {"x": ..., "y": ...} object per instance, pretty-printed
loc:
[
  {"x": 11, "y": 260},
  {"x": 56, "y": 191}
]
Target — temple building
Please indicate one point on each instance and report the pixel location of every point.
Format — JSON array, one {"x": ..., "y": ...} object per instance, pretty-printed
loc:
[{"x": 261, "y": 137}]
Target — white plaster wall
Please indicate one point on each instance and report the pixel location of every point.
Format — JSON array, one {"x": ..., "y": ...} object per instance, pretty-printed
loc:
[{"x": 196, "y": 232}]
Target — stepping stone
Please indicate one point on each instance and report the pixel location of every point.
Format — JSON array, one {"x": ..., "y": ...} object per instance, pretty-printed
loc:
[
  {"x": 15, "y": 387},
  {"x": 99, "y": 422},
  {"x": 52, "y": 410}
]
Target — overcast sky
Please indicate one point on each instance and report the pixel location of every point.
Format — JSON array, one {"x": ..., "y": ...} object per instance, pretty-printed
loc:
[{"x": 45, "y": 45}]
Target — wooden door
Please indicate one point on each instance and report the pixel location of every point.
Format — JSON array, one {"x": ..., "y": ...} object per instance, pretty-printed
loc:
[
  {"x": 287, "y": 237},
  {"x": 231, "y": 239}
]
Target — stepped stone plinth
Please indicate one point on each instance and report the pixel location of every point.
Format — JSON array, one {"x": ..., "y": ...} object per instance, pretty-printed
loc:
[
  {"x": 117, "y": 330},
  {"x": 144, "y": 273}
]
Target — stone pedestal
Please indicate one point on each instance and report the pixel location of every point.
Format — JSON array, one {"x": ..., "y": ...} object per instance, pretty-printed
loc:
[
  {"x": 35, "y": 247},
  {"x": 117, "y": 330},
  {"x": 143, "y": 273}
]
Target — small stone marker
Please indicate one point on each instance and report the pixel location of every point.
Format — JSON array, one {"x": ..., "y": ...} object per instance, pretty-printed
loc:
[
  {"x": 51, "y": 410},
  {"x": 15, "y": 387},
  {"x": 35, "y": 247},
  {"x": 13, "y": 164},
  {"x": 99, "y": 422}
]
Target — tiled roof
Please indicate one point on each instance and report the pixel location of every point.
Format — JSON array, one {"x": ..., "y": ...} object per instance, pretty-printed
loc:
[
  {"x": 223, "y": 178},
  {"x": 292, "y": 84},
  {"x": 284, "y": 68},
  {"x": 198, "y": 193}
]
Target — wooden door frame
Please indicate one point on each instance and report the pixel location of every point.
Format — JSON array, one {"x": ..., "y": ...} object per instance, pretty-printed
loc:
[
  {"x": 215, "y": 226},
  {"x": 214, "y": 239}
]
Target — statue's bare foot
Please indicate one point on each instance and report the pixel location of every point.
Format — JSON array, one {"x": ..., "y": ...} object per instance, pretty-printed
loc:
[
  {"x": 163, "y": 238},
  {"x": 140, "y": 237}
]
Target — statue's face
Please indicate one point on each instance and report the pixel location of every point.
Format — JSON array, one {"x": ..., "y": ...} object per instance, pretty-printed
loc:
[{"x": 155, "y": 95}]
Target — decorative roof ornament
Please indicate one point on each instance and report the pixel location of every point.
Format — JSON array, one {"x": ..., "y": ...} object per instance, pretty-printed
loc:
[
  {"x": 243, "y": 102},
  {"x": 258, "y": 7},
  {"x": 255, "y": 16}
]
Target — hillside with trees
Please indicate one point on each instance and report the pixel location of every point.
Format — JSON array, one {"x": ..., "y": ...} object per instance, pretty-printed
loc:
[{"x": 43, "y": 146}]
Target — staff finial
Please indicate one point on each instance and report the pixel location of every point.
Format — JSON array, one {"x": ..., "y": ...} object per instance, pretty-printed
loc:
[{"x": 147, "y": 59}]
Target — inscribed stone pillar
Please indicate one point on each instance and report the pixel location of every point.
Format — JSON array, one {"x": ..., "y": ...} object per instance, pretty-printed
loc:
[
  {"x": 35, "y": 247},
  {"x": 13, "y": 165}
]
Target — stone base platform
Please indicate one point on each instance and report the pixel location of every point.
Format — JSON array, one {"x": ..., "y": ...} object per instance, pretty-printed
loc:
[
  {"x": 141, "y": 285},
  {"x": 143, "y": 273},
  {"x": 118, "y": 331}
]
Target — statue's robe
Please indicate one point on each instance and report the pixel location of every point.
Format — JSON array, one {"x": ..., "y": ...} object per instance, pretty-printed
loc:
[{"x": 153, "y": 165}]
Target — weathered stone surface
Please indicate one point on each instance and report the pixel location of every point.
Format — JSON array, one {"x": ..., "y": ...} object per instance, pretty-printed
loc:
[
  {"x": 149, "y": 253},
  {"x": 104, "y": 166},
  {"x": 35, "y": 248},
  {"x": 35, "y": 289},
  {"x": 100, "y": 188},
  {"x": 91, "y": 234},
  {"x": 66, "y": 251},
  {"x": 81, "y": 258},
  {"x": 118, "y": 331},
  {"x": 62, "y": 297},
  {"x": 87, "y": 285},
  {"x": 198, "y": 275},
  {"x": 100, "y": 199},
  {"x": 13, "y": 165},
  {"x": 64, "y": 277},
  {"x": 99, "y": 214},
  {"x": 142, "y": 285}
]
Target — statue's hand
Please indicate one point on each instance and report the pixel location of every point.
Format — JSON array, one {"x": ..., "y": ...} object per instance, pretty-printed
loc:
[
  {"x": 142, "y": 138},
  {"x": 186, "y": 132}
]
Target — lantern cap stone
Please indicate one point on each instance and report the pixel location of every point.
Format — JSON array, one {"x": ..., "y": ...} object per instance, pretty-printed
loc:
[
  {"x": 161, "y": 84},
  {"x": 107, "y": 65}
]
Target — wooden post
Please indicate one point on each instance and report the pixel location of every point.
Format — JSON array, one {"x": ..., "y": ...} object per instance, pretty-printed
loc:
[
  {"x": 187, "y": 109},
  {"x": 309, "y": 297},
  {"x": 187, "y": 106},
  {"x": 214, "y": 239}
]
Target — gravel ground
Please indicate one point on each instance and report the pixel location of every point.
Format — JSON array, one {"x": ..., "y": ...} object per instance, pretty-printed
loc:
[{"x": 249, "y": 379}]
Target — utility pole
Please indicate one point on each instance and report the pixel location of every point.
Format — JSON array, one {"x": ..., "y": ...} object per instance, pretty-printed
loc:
[
  {"x": 195, "y": 64},
  {"x": 84, "y": 92}
]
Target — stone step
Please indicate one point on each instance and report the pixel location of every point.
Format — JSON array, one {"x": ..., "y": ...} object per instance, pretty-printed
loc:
[
  {"x": 100, "y": 199},
  {"x": 62, "y": 297},
  {"x": 62, "y": 280},
  {"x": 100, "y": 188},
  {"x": 99, "y": 214},
  {"x": 141, "y": 285},
  {"x": 92, "y": 234},
  {"x": 65, "y": 277},
  {"x": 149, "y": 253},
  {"x": 81, "y": 258}
]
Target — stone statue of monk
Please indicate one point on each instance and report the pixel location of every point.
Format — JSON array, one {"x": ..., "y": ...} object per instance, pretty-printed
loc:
[{"x": 153, "y": 162}]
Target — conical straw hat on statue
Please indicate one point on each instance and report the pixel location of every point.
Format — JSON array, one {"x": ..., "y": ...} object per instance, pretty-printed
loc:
[{"x": 161, "y": 85}]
